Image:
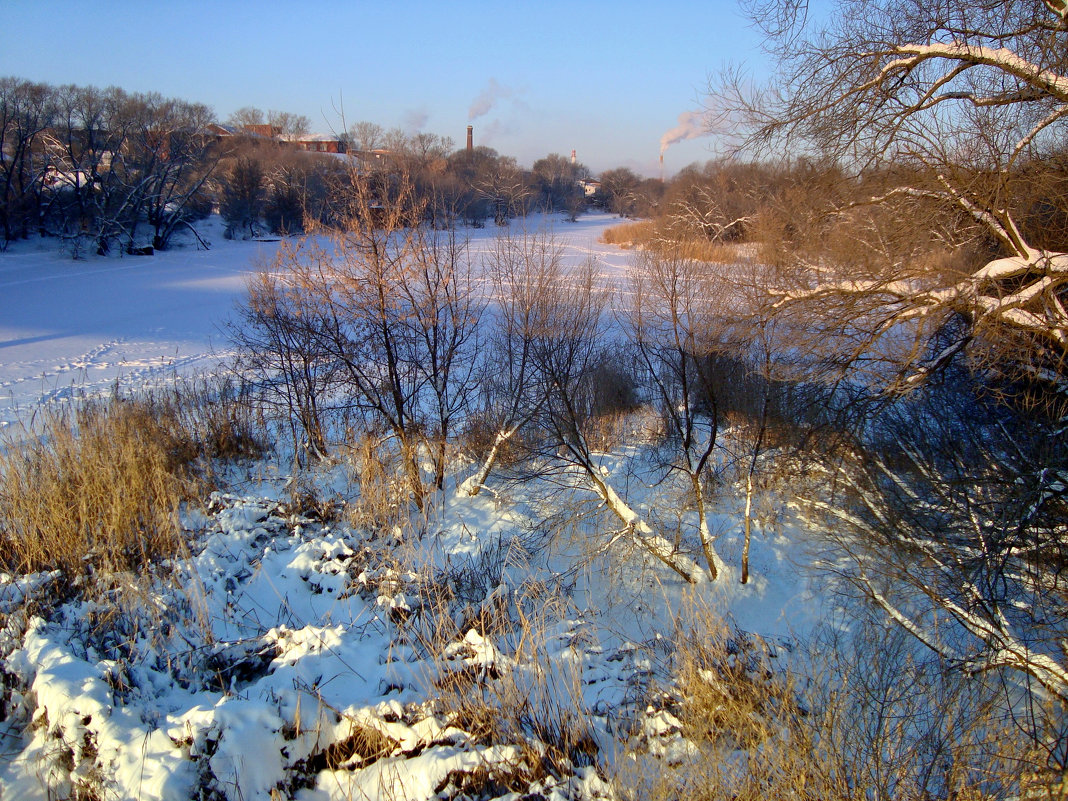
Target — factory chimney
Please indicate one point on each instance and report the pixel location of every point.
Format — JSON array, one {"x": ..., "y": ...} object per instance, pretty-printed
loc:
[
  {"x": 470, "y": 139},
  {"x": 573, "y": 159}
]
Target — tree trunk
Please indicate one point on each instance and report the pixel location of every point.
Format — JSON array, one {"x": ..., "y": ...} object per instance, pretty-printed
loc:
[
  {"x": 716, "y": 565},
  {"x": 748, "y": 525},
  {"x": 644, "y": 535},
  {"x": 473, "y": 485}
]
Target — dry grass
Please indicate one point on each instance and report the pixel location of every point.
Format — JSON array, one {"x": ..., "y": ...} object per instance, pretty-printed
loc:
[
  {"x": 382, "y": 506},
  {"x": 99, "y": 486},
  {"x": 730, "y": 694},
  {"x": 860, "y": 716},
  {"x": 219, "y": 417},
  {"x": 659, "y": 235},
  {"x": 743, "y": 719},
  {"x": 527, "y": 698},
  {"x": 629, "y": 235}
]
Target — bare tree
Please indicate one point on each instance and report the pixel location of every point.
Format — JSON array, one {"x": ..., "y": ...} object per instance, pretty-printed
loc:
[
  {"x": 443, "y": 315},
  {"x": 565, "y": 356},
  {"x": 504, "y": 184},
  {"x": 556, "y": 178},
  {"x": 243, "y": 197},
  {"x": 522, "y": 271},
  {"x": 168, "y": 162},
  {"x": 366, "y": 136},
  {"x": 672, "y": 318},
  {"x": 26, "y": 113},
  {"x": 90, "y": 134},
  {"x": 247, "y": 117},
  {"x": 762, "y": 349},
  {"x": 364, "y": 319},
  {"x": 119, "y": 161},
  {"x": 716, "y": 203},
  {"x": 288, "y": 124},
  {"x": 279, "y": 344},
  {"x": 964, "y": 96},
  {"x": 387, "y": 311},
  {"x": 620, "y": 188},
  {"x": 916, "y": 255}
]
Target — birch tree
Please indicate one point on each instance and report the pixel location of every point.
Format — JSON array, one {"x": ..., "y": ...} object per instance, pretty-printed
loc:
[
  {"x": 672, "y": 318},
  {"x": 565, "y": 354}
]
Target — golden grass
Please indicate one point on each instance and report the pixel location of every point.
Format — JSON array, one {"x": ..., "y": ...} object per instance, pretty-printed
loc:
[
  {"x": 98, "y": 489},
  {"x": 629, "y": 235},
  {"x": 382, "y": 505},
  {"x": 659, "y": 235}
]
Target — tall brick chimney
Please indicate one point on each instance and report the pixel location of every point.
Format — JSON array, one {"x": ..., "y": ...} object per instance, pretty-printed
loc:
[{"x": 470, "y": 138}]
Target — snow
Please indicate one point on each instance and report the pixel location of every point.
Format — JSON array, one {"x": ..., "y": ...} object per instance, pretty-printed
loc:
[
  {"x": 287, "y": 657},
  {"x": 72, "y": 328},
  {"x": 69, "y": 327}
]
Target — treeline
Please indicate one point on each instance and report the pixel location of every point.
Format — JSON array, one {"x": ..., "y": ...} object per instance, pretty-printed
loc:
[
  {"x": 101, "y": 168},
  {"x": 107, "y": 170},
  {"x": 270, "y": 186},
  {"x": 809, "y": 210}
]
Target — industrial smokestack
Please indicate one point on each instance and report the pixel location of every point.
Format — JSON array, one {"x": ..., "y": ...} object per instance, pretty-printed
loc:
[
  {"x": 470, "y": 138},
  {"x": 573, "y": 159}
]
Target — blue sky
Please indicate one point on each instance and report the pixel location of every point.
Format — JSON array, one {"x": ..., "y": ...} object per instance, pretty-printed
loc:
[{"x": 607, "y": 79}]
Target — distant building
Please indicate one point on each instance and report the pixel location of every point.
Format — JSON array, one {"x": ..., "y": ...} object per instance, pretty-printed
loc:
[
  {"x": 315, "y": 143},
  {"x": 590, "y": 187},
  {"x": 318, "y": 143}
]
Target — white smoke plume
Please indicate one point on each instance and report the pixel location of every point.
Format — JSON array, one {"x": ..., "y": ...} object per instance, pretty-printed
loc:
[
  {"x": 415, "y": 119},
  {"x": 692, "y": 124},
  {"x": 488, "y": 98}
]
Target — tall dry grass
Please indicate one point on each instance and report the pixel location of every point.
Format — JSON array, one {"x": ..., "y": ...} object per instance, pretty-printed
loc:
[
  {"x": 98, "y": 488},
  {"x": 659, "y": 235},
  {"x": 527, "y": 697},
  {"x": 630, "y": 234}
]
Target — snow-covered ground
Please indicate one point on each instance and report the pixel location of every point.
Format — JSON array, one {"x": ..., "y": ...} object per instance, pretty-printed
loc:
[
  {"x": 294, "y": 658},
  {"x": 70, "y": 328}
]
